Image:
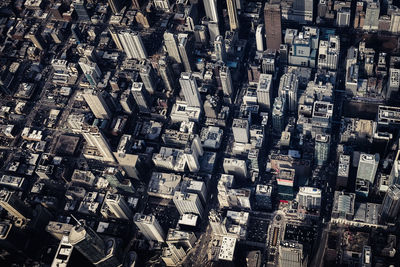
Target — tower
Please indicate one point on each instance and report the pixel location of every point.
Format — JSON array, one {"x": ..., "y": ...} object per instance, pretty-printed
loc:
[
  {"x": 260, "y": 38},
  {"x": 273, "y": 28},
  {"x": 97, "y": 103},
  {"x": 322, "y": 148},
  {"x": 233, "y": 15},
  {"x": 210, "y": 6},
  {"x": 188, "y": 203},
  {"x": 115, "y": 206},
  {"x": 288, "y": 87},
  {"x": 91, "y": 71},
  {"x": 226, "y": 81},
  {"x": 391, "y": 204},
  {"x": 132, "y": 44},
  {"x": 149, "y": 227},
  {"x": 148, "y": 78},
  {"x": 166, "y": 73},
  {"x": 264, "y": 92},
  {"x": 219, "y": 48},
  {"x": 189, "y": 89},
  {"x": 171, "y": 44},
  {"x": 185, "y": 46},
  {"x": 367, "y": 167},
  {"x": 141, "y": 97}
]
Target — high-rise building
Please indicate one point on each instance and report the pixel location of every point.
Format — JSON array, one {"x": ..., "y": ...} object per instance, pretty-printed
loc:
[
  {"x": 213, "y": 29},
  {"x": 263, "y": 196},
  {"x": 367, "y": 167},
  {"x": 36, "y": 38},
  {"x": 171, "y": 44},
  {"x": 130, "y": 163},
  {"x": 395, "y": 21},
  {"x": 279, "y": 115},
  {"x": 217, "y": 223},
  {"x": 127, "y": 101},
  {"x": 79, "y": 6},
  {"x": 97, "y": 102},
  {"x": 188, "y": 203},
  {"x": 91, "y": 71},
  {"x": 236, "y": 167},
  {"x": 148, "y": 78},
  {"x": 166, "y": 73},
  {"x": 116, "y": 5},
  {"x": 114, "y": 35},
  {"x": 226, "y": 81},
  {"x": 172, "y": 255},
  {"x": 189, "y": 89},
  {"x": 63, "y": 253},
  {"x": 192, "y": 151},
  {"x": 14, "y": 205},
  {"x": 141, "y": 96},
  {"x": 260, "y": 38},
  {"x": 329, "y": 52},
  {"x": 291, "y": 254},
  {"x": 163, "y": 5},
  {"x": 88, "y": 243},
  {"x": 343, "y": 171},
  {"x": 115, "y": 206},
  {"x": 210, "y": 6},
  {"x": 149, "y": 227},
  {"x": 391, "y": 205},
  {"x": 264, "y": 92},
  {"x": 240, "y": 128},
  {"x": 232, "y": 14},
  {"x": 309, "y": 197},
  {"x": 394, "y": 177},
  {"x": 343, "y": 16},
  {"x": 322, "y": 148},
  {"x": 288, "y": 87},
  {"x": 185, "y": 47},
  {"x": 371, "y": 21},
  {"x": 273, "y": 28},
  {"x": 132, "y": 44},
  {"x": 219, "y": 48}
]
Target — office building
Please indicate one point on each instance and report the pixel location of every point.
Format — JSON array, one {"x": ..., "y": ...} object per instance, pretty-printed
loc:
[
  {"x": 343, "y": 171},
  {"x": 286, "y": 182},
  {"x": 91, "y": 71},
  {"x": 210, "y": 6},
  {"x": 88, "y": 243},
  {"x": 79, "y": 6},
  {"x": 189, "y": 89},
  {"x": 291, "y": 254},
  {"x": 179, "y": 238},
  {"x": 329, "y": 51},
  {"x": 395, "y": 21},
  {"x": 279, "y": 115},
  {"x": 116, "y": 5},
  {"x": 166, "y": 73},
  {"x": 188, "y": 203},
  {"x": 141, "y": 96},
  {"x": 263, "y": 196},
  {"x": 185, "y": 47},
  {"x": 148, "y": 78},
  {"x": 10, "y": 202},
  {"x": 193, "y": 150},
  {"x": 303, "y": 51},
  {"x": 226, "y": 81},
  {"x": 149, "y": 227},
  {"x": 236, "y": 167},
  {"x": 98, "y": 102},
  {"x": 272, "y": 16},
  {"x": 171, "y": 44},
  {"x": 343, "y": 206},
  {"x": 213, "y": 29},
  {"x": 343, "y": 16},
  {"x": 371, "y": 21},
  {"x": 322, "y": 148},
  {"x": 260, "y": 38},
  {"x": 115, "y": 206},
  {"x": 219, "y": 48},
  {"x": 232, "y": 14},
  {"x": 63, "y": 253},
  {"x": 391, "y": 205},
  {"x": 309, "y": 197},
  {"x": 129, "y": 162},
  {"x": 288, "y": 88},
  {"x": 36, "y": 38},
  {"x": 394, "y": 83},
  {"x": 367, "y": 167},
  {"x": 240, "y": 128},
  {"x": 127, "y": 102},
  {"x": 132, "y": 44},
  {"x": 217, "y": 223},
  {"x": 264, "y": 92}
]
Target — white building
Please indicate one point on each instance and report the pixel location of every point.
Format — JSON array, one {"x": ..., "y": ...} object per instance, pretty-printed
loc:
[
  {"x": 236, "y": 167},
  {"x": 240, "y": 128},
  {"x": 367, "y": 167},
  {"x": 309, "y": 197},
  {"x": 329, "y": 52},
  {"x": 264, "y": 91},
  {"x": 149, "y": 227},
  {"x": 189, "y": 89},
  {"x": 288, "y": 87},
  {"x": 188, "y": 203}
]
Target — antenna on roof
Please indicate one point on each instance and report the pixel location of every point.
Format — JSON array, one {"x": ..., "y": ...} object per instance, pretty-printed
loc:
[{"x": 73, "y": 217}]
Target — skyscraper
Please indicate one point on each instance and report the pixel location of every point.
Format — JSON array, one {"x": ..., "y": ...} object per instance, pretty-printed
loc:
[
  {"x": 91, "y": 71},
  {"x": 88, "y": 243},
  {"x": 148, "y": 78},
  {"x": 115, "y": 37},
  {"x": 141, "y": 97},
  {"x": 149, "y": 227},
  {"x": 166, "y": 73},
  {"x": 232, "y": 14},
  {"x": 210, "y": 6},
  {"x": 309, "y": 197},
  {"x": 226, "y": 81},
  {"x": 288, "y": 87},
  {"x": 260, "y": 38},
  {"x": 371, "y": 21},
  {"x": 264, "y": 92},
  {"x": 273, "y": 28},
  {"x": 367, "y": 167},
  {"x": 79, "y": 6},
  {"x": 217, "y": 223},
  {"x": 185, "y": 46},
  {"x": 219, "y": 48},
  {"x": 132, "y": 44},
  {"x": 116, "y": 5},
  {"x": 279, "y": 115},
  {"x": 322, "y": 148},
  {"x": 97, "y": 103},
  {"x": 391, "y": 204},
  {"x": 291, "y": 254},
  {"x": 115, "y": 206},
  {"x": 14, "y": 205},
  {"x": 171, "y": 44},
  {"x": 188, "y": 203},
  {"x": 189, "y": 89}
]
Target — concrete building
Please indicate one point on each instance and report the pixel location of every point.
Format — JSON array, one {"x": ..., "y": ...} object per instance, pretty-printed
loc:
[
  {"x": 148, "y": 78},
  {"x": 164, "y": 185},
  {"x": 343, "y": 206},
  {"x": 272, "y": 16},
  {"x": 141, "y": 96},
  {"x": 309, "y": 197},
  {"x": 210, "y": 7},
  {"x": 188, "y": 203},
  {"x": 303, "y": 51},
  {"x": 189, "y": 89},
  {"x": 367, "y": 167},
  {"x": 98, "y": 104},
  {"x": 371, "y": 21},
  {"x": 232, "y": 14},
  {"x": 288, "y": 87},
  {"x": 329, "y": 52},
  {"x": 291, "y": 254},
  {"x": 343, "y": 16},
  {"x": 322, "y": 148},
  {"x": 132, "y": 44},
  {"x": 260, "y": 38},
  {"x": 149, "y": 227},
  {"x": 240, "y": 129},
  {"x": 391, "y": 205},
  {"x": 343, "y": 171},
  {"x": 185, "y": 47},
  {"x": 236, "y": 167},
  {"x": 171, "y": 44},
  {"x": 217, "y": 223},
  {"x": 226, "y": 81},
  {"x": 263, "y": 196},
  {"x": 115, "y": 206},
  {"x": 14, "y": 206},
  {"x": 264, "y": 92},
  {"x": 220, "y": 48},
  {"x": 279, "y": 114}
]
